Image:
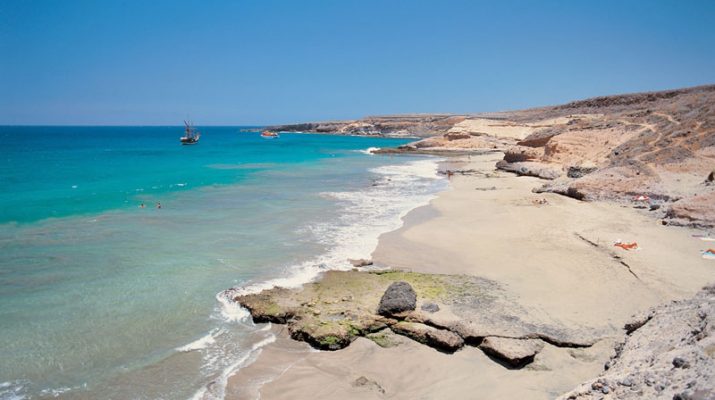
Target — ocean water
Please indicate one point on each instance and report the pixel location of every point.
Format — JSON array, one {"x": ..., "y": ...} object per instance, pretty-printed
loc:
[{"x": 101, "y": 298}]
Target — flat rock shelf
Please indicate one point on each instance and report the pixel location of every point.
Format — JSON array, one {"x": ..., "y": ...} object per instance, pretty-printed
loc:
[{"x": 344, "y": 305}]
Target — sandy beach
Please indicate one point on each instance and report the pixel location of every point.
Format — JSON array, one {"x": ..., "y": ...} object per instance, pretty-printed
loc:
[{"x": 555, "y": 257}]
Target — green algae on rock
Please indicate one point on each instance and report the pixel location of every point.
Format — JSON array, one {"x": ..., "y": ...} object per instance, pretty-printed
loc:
[{"x": 343, "y": 305}]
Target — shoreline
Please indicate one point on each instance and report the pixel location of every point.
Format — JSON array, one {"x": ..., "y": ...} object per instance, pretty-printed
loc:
[
  {"x": 418, "y": 175},
  {"x": 430, "y": 242}
]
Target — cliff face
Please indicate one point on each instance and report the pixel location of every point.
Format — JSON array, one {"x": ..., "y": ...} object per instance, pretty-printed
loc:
[{"x": 658, "y": 147}]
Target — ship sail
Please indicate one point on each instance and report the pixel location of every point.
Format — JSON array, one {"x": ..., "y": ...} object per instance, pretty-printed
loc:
[{"x": 191, "y": 135}]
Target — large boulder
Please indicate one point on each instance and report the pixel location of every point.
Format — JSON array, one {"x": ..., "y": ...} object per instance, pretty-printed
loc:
[
  {"x": 515, "y": 352},
  {"x": 398, "y": 298}
]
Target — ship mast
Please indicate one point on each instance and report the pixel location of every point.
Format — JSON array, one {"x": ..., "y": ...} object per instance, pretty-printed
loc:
[{"x": 189, "y": 129}]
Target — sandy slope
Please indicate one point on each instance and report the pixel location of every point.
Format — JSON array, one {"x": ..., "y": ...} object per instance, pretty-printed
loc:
[{"x": 557, "y": 258}]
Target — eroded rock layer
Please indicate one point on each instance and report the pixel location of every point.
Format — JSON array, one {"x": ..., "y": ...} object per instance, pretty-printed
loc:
[
  {"x": 658, "y": 147},
  {"x": 669, "y": 353}
]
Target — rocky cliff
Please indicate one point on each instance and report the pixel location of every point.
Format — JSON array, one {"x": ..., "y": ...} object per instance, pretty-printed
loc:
[
  {"x": 668, "y": 353},
  {"x": 655, "y": 150}
]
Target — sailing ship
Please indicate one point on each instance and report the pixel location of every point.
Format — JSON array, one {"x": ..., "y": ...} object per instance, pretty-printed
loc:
[
  {"x": 269, "y": 135},
  {"x": 191, "y": 135}
]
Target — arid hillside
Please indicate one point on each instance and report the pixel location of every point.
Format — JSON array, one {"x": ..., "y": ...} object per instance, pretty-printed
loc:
[{"x": 655, "y": 148}]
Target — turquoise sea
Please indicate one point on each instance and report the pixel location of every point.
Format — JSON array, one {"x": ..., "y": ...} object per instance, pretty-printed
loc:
[{"x": 101, "y": 298}]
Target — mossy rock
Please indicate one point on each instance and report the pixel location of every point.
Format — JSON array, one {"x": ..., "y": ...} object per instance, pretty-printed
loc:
[
  {"x": 324, "y": 335},
  {"x": 330, "y": 313},
  {"x": 385, "y": 338}
]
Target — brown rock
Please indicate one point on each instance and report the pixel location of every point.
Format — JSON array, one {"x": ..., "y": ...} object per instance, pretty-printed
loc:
[
  {"x": 363, "y": 382},
  {"x": 522, "y": 153},
  {"x": 361, "y": 262},
  {"x": 263, "y": 307},
  {"x": 515, "y": 352},
  {"x": 438, "y": 338},
  {"x": 698, "y": 210},
  {"x": 531, "y": 168},
  {"x": 457, "y": 136}
]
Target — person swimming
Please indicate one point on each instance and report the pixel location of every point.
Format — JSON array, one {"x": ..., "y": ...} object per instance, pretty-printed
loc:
[
  {"x": 142, "y": 205},
  {"x": 158, "y": 204}
]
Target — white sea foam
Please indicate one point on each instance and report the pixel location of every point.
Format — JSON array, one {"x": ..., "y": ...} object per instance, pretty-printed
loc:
[
  {"x": 368, "y": 151},
  {"x": 216, "y": 390},
  {"x": 229, "y": 310},
  {"x": 55, "y": 392},
  {"x": 423, "y": 169},
  {"x": 200, "y": 343},
  {"x": 365, "y": 215},
  {"x": 13, "y": 390}
]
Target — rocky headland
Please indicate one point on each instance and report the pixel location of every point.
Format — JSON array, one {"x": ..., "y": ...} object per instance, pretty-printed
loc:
[
  {"x": 656, "y": 149},
  {"x": 415, "y": 125}
]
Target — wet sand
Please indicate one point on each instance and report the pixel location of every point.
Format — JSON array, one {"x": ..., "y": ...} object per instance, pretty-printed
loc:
[{"x": 555, "y": 258}]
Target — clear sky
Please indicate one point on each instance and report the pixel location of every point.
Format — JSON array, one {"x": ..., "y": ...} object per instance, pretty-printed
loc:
[{"x": 146, "y": 62}]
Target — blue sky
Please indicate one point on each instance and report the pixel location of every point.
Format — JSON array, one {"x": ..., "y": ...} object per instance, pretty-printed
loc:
[{"x": 258, "y": 62}]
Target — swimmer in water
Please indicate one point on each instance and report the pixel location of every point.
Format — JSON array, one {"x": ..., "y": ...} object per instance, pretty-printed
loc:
[
  {"x": 158, "y": 205},
  {"x": 142, "y": 205}
]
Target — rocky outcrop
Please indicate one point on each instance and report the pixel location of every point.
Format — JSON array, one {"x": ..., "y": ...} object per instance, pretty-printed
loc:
[
  {"x": 579, "y": 171},
  {"x": 659, "y": 145},
  {"x": 442, "y": 311},
  {"x": 695, "y": 210},
  {"x": 264, "y": 308},
  {"x": 615, "y": 148},
  {"x": 530, "y": 168},
  {"x": 522, "y": 153},
  {"x": 668, "y": 353},
  {"x": 514, "y": 352},
  {"x": 398, "y": 298}
]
